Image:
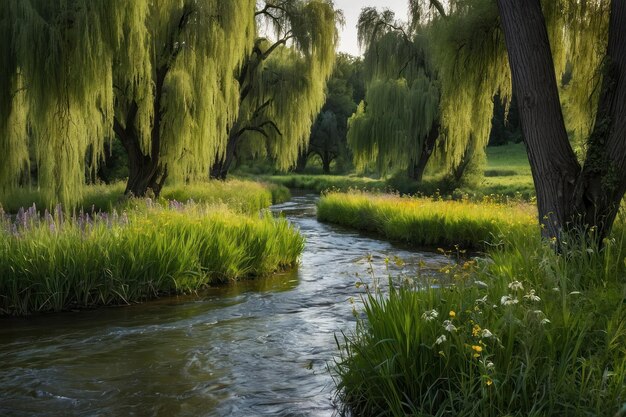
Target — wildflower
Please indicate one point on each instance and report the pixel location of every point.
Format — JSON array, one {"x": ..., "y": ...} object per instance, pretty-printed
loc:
[
  {"x": 486, "y": 334},
  {"x": 482, "y": 300},
  {"x": 531, "y": 296},
  {"x": 430, "y": 315},
  {"x": 452, "y": 314},
  {"x": 441, "y": 339},
  {"x": 449, "y": 326},
  {"x": 545, "y": 321},
  {"x": 575, "y": 293},
  {"x": 476, "y": 330},
  {"x": 507, "y": 300},
  {"x": 489, "y": 365},
  {"x": 477, "y": 348},
  {"x": 488, "y": 382},
  {"x": 480, "y": 284},
  {"x": 516, "y": 285}
]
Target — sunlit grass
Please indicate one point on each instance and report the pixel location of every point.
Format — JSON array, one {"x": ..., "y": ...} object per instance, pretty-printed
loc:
[
  {"x": 427, "y": 221},
  {"x": 52, "y": 263},
  {"x": 239, "y": 195}
]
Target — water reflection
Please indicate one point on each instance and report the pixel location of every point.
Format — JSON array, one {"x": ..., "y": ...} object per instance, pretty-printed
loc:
[{"x": 250, "y": 349}]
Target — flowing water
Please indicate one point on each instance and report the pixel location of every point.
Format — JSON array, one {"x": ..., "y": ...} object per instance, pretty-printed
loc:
[{"x": 257, "y": 348}]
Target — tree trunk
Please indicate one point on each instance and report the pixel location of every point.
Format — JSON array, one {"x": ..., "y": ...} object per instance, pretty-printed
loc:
[
  {"x": 602, "y": 183},
  {"x": 566, "y": 196},
  {"x": 553, "y": 163},
  {"x": 327, "y": 158},
  {"x": 145, "y": 172},
  {"x": 220, "y": 168},
  {"x": 416, "y": 170},
  {"x": 302, "y": 161}
]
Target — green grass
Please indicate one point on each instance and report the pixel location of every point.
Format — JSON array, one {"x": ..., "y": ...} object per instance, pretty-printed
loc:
[
  {"x": 48, "y": 263},
  {"x": 240, "y": 195},
  {"x": 427, "y": 222},
  {"x": 522, "y": 332},
  {"x": 507, "y": 174},
  {"x": 321, "y": 183}
]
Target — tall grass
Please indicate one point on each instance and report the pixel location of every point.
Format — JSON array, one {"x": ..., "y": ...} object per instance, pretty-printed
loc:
[
  {"x": 522, "y": 332},
  {"x": 52, "y": 263},
  {"x": 240, "y": 195},
  {"x": 427, "y": 221}
]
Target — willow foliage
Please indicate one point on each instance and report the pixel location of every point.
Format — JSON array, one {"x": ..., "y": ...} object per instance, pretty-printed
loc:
[
  {"x": 71, "y": 66},
  {"x": 473, "y": 66},
  {"x": 288, "y": 86},
  {"x": 402, "y": 98}
]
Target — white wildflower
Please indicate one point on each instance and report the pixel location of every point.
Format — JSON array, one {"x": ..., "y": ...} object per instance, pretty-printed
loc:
[
  {"x": 516, "y": 285},
  {"x": 449, "y": 326},
  {"x": 508, "y": 300},
  {"x": 489, "y": 365},
  {"x": 556, "y": 289},
  {"x": 441, "y": 339},
  {"x": 575, "y": 293},
  {"x": 531, "y": 296},
  {"x": 482, "y": 300},
  {"x": 486, "y": 334},
  {"x": 545, "y": 321},
  {"x": 430, "y": 315},
  {"x": 480, "y": 284}
]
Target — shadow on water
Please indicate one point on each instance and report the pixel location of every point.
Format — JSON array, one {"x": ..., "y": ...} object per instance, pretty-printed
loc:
[{"x": 249, "y": 349}]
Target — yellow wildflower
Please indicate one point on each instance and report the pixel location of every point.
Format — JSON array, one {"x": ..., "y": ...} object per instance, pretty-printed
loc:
[
  {"x": 488, "y": 382},
  {"x": 476, "y": 330},
  {"x": 477, "y": 348},
  {"x": 452, "y": 314}
]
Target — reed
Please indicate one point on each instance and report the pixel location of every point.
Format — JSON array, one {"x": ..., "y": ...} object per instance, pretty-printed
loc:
[{"x": 52, "y": 262}]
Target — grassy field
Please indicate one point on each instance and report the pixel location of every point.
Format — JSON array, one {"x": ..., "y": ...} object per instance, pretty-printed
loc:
[
  {"x": 507, "y": 174},
  {"x": 522, "y": 331},
  {"x": 139, "y": 248}
]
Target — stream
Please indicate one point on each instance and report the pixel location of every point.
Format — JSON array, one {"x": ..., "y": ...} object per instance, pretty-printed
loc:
[{"x": 254, "y": 348}]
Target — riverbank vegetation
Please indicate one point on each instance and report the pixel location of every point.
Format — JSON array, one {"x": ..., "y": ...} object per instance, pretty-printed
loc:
[
  {"x": 428, "y": 222},
  {"x": 51, "y": 262},
  {"x": 239, "y": 195},
  {"x": 524, "y": 330}
]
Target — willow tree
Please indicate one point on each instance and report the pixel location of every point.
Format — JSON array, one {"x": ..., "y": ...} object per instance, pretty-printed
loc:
[
  {"x": 80, "y": 71},
  {"x": 172, "y": 119},
  {"x": 56, "y": 95},
  {"x": 446, "y": 67},
  {"x": 397, "y": 124},
  {"x": 571, "y": 193},
  {"x": 281, "y": 83}
]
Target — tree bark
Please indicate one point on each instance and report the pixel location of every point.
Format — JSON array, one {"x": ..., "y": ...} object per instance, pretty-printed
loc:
[
  {"x": 302, "y": 161},
  {"x": 568, "y": 197},
  {"x": 222, "y": 165},
  {"x": 416, "y": 170},
  {"x": 553, "y": 163},
  {"x": 327, "y": 158},
  {"x": 145, "y": 171},
  {"x": 602, "y": 183}
]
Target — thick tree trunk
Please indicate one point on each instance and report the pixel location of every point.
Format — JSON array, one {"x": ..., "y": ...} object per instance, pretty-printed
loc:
[
  {"x": 602, "y": 183},
  {"x": 416, "y": 170},
  {"x": 220, "y": 168},
  {"x": 145, "y": 172},
  {"x": 553, "y": 163},
  {"x": 567, "y": 197}
]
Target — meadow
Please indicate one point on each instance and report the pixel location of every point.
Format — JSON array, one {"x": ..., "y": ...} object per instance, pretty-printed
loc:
[
  {"x": 519, "y": 331},
  {"x": 506, "y": 175},
  {"x": 139, "y": 249}
]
